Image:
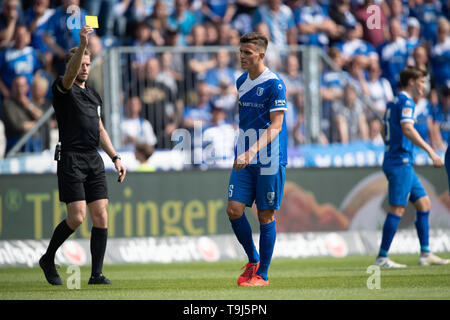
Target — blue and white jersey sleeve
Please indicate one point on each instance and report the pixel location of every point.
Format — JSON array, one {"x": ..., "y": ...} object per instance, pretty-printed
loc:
[
  {"x": 407, "y": 110},
  {"x": 277, "y": 100}
]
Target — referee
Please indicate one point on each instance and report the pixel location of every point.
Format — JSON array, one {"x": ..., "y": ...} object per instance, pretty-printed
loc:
[{"x": 81, "y": 173}]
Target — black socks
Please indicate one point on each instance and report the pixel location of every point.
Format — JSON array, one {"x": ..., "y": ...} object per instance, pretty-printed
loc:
[
  {"x": 98, "y": 247},
  {"x": 61, "y": 233}
]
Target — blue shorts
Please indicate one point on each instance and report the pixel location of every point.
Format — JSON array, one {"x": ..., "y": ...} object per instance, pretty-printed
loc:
[
  {"x": 447, "y": 164},
  {"x": 404, "y": 185},
  {"x": 249, "y": 185}
]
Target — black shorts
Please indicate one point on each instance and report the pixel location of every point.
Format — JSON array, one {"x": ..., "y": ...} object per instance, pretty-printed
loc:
[{"x": 81, "y": 176}]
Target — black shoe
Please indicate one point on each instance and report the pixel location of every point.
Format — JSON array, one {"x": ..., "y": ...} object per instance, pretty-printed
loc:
[
  {"x": 50, "y": 272},
  {"x": 100, "y": 279}
]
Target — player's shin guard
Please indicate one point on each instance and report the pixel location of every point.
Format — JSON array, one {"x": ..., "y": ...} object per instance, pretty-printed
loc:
[
  {"x": 243, "y": 232},
  {"x": 422, "y": 228},
  {"x": 389, "y": 229},
  {"x": 99, "y": 238},
  {"x": 267, "y": 239}
]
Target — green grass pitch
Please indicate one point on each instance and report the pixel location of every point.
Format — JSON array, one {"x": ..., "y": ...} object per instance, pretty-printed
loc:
[{"x": 290, "y": 279}]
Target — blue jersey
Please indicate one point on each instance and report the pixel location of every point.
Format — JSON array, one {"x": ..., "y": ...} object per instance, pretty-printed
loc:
[
  {"x": 399, "y": 149},
  {"x": 393, "y": 58},
  {"x": 15, "y": 62},
  {"x": 257, "y": 98},
  {"x": 313, "y": 14},
  {"x": 442, "y": 118}
]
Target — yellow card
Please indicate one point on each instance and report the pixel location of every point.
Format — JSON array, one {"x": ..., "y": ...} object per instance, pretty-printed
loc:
[{"x": 92, "y": 21}]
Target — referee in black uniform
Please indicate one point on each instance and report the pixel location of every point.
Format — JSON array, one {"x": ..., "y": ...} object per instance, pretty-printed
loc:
[{"x": 81, "y": 172}]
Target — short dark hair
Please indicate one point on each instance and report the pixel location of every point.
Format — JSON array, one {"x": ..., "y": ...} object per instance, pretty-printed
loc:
[
  {"x": 409, "y": 73},
  {"x": 258, "y": 39},
  {"x": 72, "y": 51}
]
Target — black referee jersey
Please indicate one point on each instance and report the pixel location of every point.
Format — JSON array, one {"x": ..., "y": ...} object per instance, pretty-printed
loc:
[{"x": 78, "y": 113}]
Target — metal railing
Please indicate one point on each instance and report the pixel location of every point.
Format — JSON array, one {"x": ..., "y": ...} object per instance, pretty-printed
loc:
[{"x": 123, "y": 76}]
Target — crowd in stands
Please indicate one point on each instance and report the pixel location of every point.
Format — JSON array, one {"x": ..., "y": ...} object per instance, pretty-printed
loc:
[{"x": 369, "y": 40}]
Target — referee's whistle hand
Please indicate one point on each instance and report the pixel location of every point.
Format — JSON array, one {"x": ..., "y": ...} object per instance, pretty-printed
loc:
[{"x": 121, "y": 170}]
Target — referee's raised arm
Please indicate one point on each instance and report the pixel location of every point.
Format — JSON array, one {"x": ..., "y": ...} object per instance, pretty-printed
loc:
[{"x": 74, "y": 64}]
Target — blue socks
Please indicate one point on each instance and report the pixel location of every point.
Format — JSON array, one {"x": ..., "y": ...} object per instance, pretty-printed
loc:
[
  {"x": 268, "y": 235},
  {"x": 243, "y": 232},
  {"x": 389, "y": 229},
  {"x": 422, "y": 228},
  {"x": 267, "y": 239}
]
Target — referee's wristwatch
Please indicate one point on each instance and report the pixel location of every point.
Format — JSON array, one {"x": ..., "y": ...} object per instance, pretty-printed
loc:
[{"x": 117, "y": 156}]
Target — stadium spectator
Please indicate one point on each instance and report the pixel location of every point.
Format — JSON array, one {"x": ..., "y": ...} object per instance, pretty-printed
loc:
[
  {"x": 292, "y": 78},
  {"x": 158, "y": 22},
  {"x": 226, "y": 100},
  {"x": 393, "y": 55},
  {"x": 199, "y": 112},
  {"x": 20, "y": 115},
  {"x": 159, "y": 103},
  {"x": 212, "y": 34},
  {"x": 242, "y": 20},
  {"x": 428, "y": 13},
  {"x": 218, "y": 10},
  {"x": 441, "y": 121},
  {"x": 183, "y": 19},
  {"x": 413, "y": 33},
  {"x": 353, "y": 46},
  {"x": 424, "y": 119},
  {"x": 62, "y": 32},
  {"x": 105, "y": 10},
  {"x": 397, "y": 13},
  {"x": 224, "y": 33},
  {"x": 171, "y": 70},
  {"x": 440, "y": 56},
  {"x": 314, "y": 24},
  {"x": 421, "y": 61},
  {"x": 9, "y": 18},
  {"x": 280, "y": 20},
  {"x": 143, "y": 152},
  {"x": 331, "y": 89},
  {"x": 198, "y": 63},
  {"x": 36, "y": 19},
  {"x": 377, "y": 90},
  {"x": 134, "y": 128},
  {"x": 39, "y": 97},
  {"x": 274, "y": 54},
  {"x": 375, "y": 128},
  {"x": 342, "y": 16},
  {"x": 356, "y": 73},
  {"x": 218, "y": 139},
  {"x": 372, "y": 33},
  {"x": 221, "y": 74},
  {"x": 350, "y": 118},
  {"x": 143, "y": 43},
  {"x": 19, "y": 59}
]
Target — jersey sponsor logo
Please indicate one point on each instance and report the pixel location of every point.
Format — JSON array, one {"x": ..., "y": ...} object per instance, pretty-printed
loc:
[
  {"x": 280, "y": 103},
  {"x": 252, "y": 104},
  {"x": 407, "y": 112},
  {"x": 259, "y": 91},
  {"x": 280, "y": 86}
]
